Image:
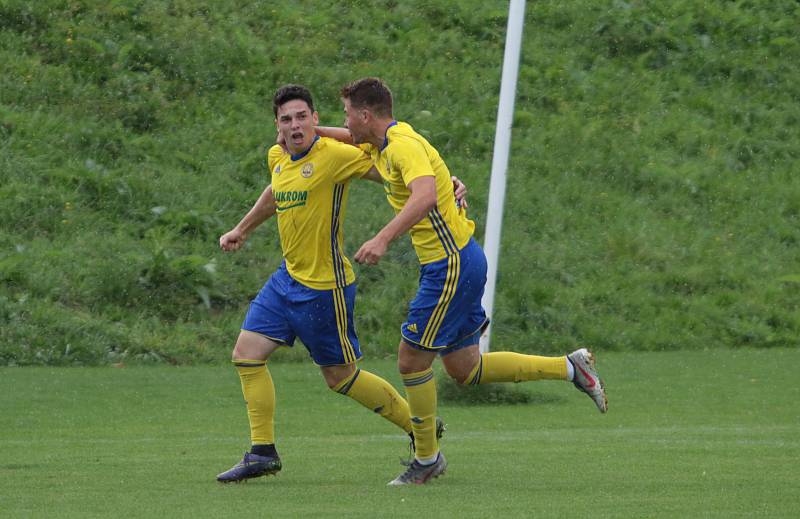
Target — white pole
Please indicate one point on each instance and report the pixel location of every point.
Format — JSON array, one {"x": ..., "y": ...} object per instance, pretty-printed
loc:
[{"x": 502, "y": 144}]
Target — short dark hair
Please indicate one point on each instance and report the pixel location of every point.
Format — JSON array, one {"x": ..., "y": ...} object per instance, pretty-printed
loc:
[
  {"x": 371, "y": 93},
  {"x": 288, "y": 93}
]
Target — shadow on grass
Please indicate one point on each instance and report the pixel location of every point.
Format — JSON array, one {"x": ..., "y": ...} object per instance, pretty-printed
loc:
[
  {"x": 491, "y": 394},
  {"x": 20, "y": 466}
]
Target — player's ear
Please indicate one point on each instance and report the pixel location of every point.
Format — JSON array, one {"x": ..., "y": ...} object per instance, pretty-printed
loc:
[{"x": 315, "y": 118}]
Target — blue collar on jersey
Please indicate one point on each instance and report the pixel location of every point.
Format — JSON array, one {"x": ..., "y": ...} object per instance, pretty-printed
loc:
[
  {"x": 304, "y": 153},
  {"x": 386, "y": 137}
]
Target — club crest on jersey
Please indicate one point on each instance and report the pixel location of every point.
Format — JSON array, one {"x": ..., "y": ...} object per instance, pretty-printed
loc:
[
  {"x": 307, "y": 170},
  {"x": 277, "y": 169}
]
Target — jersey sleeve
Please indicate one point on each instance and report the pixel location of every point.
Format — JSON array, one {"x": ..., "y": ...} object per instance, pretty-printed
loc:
[
  {"x": 410, "y": 158},
  {"x": 351, "y": 161}
]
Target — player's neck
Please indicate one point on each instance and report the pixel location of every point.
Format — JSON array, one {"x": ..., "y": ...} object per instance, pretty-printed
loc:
[{"x": 381, "y": 126}]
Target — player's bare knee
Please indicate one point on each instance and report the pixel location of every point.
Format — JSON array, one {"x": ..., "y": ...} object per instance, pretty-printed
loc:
[
  {"x": 332, "y": 381},
  {"x": 457, "y": 374},
  {"x": 411, "y": 365},
  {"x": 461, "y": 364},
  {"x": 252, "y": 346},
  {"x": 412, "y": 360},
  {"x": 237, "y": 352},
  {"x": 335, "y": 375},
  {"x": 404, "y": 366},
  {"x": 461, "y": 378}
]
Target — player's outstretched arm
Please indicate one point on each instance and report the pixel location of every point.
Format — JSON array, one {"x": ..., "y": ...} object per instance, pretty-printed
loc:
[
  {"x": 264, "y": 208},
  {"x": 374, "y": 175},
  {"x": 419, "y": 204},
  {"x": 344, "y": 135},
  {"x": 459, "y": 188},
  {"x": 334, "y": 132}
]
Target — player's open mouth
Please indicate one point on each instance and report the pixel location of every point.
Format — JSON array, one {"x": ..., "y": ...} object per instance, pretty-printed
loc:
[{"x": 297, "y": 137}]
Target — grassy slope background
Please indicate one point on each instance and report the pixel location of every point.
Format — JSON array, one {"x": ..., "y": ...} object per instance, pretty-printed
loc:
[{"x": 653, "y": 196}]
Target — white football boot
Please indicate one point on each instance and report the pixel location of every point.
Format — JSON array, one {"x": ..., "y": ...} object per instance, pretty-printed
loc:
[{"x": 586, "y": 378}]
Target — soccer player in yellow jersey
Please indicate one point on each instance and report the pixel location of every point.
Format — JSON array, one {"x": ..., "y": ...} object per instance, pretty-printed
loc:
[
  {"x": 446, "y": 317},
  {"x": 312, "y": 294}
]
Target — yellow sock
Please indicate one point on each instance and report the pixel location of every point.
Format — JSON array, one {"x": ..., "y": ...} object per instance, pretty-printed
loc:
[
  {"x": 259, "y": 395},
  {"x": 507, "y": 366},
  {"x": 421, "y": 393},
  {"x": 377, "y": 395}
]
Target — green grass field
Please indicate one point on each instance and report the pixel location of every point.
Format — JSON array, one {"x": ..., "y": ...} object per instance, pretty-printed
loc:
[
  {"x": 653, "y": 205},
  {"x": 688, "y": 434}
]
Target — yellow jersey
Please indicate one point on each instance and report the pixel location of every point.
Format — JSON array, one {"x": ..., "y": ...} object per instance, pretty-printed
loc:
[
  {"x": 310, "y": 191},
  {"x": 405, "y": 156}
]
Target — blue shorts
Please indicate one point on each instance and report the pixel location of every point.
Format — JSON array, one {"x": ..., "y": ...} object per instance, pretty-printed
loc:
[
  {"x": 323, "y": 319},
  {"x": 446, "y": 314}
]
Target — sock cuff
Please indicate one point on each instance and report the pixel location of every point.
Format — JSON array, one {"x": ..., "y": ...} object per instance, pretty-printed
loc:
[
  {"x": 569, "y": 369},
  {"x": 248, "y": 363},
  {"x": 418, "y": 378},
  {"x": 263, "y": 449},
  {"x": 344, "y": 386},
  {"x": 474, "y": 377}
]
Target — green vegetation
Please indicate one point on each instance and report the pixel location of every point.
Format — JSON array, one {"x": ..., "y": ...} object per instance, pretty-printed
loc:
[
  {"x": 653, "y": 198},
  {"x": 688, "y": 434}
]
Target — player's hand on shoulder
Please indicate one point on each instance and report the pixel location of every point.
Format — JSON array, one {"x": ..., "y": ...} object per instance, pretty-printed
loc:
[
  {"x": 460, "y": 191},
  {"x": 280, "y": 141}
]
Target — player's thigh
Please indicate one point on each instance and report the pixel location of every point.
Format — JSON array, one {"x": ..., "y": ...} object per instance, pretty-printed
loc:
[
  {"x": 253, "y": 346},
  {"x": 324, "y": 322},
  {"x": 447, "y": 307},
  {"x": 266, "y": 323}
]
